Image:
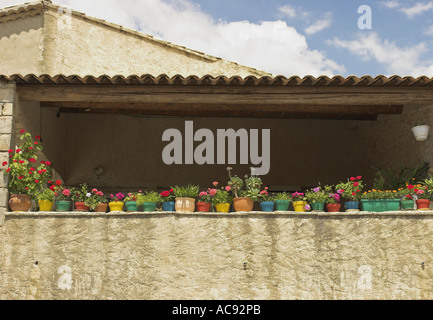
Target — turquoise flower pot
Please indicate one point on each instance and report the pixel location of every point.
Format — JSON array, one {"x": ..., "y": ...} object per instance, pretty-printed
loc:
[
  {"x": 131, "y": 206},
  {"x": 149, "y": 206},
  {"x": 282, "y": 205},
  {"x": 168, "y": 206},
  {"x": 267, "y": 206},
  {"x": 318, "y": 206},
  {"x": 63, "y": 206}
]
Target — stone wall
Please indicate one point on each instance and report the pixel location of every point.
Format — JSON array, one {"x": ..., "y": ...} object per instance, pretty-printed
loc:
[{"x": 216, "y": 256}]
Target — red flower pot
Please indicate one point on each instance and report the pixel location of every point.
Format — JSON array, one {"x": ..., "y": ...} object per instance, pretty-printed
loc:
[
  {"x": 202, "y": 206},
  {"x": 80, "y": 206},
  {"x": 333, "y": 207},
  {"x": 423, "y": 204}
]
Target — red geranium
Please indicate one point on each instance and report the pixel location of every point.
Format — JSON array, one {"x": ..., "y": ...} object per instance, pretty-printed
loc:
[{"x": 352, "y": 179}]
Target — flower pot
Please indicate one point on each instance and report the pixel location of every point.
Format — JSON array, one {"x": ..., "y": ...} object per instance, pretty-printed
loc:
[
  {"x": 131, "y": 206},
  {"x": 222, "y": 207},
  {"x": 45, "y": 205},
  {"x": 80, "y": 206},
  {"x": 243, "y": 204},
  {"x": 267, "y": 206},
  {"x": 282, "y": 205},
  {"x": 203, "y": 206},
  {"x": 299, "y": 206},
  {"x": 63, "y": 206},
  {"x": 101, "y": 207},
  {"x": 20, "y": 202},
  {"x": 149, "y": 206},
  {"x": 421, "y": 132},
  {"x": 423, "y": 204},
  {"x": 392, "y": 204},
  {"x": 352, "y": 205},
  {"x": 333, "y": 207},
  {"x": 183, "y": 205},
  {"x": 168, "y": 206},
  {"x": 318, "y": 206},
  {"x": 116, "y": 206},
  {"x": 407, "y": 204}
]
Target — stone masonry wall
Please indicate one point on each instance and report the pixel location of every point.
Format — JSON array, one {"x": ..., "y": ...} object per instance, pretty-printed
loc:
[{"x": 216, "y": 256}]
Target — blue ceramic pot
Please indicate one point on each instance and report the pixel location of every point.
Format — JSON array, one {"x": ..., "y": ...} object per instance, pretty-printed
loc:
[
  {"x": 267, "y": 206},
  {"x": 168, "y": 206},
  {"x": 351, "y": 205}
]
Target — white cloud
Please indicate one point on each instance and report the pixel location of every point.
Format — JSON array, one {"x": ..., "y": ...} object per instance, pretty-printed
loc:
[
  {"x": 417, "y": 9},
  {"x": 402, "y": 61},
  {"x": 319, "y": 25},
  {"x": 391, "y": 4},
  {"x": 288, "y": 11},
  {"x": 272, "y": 46}
]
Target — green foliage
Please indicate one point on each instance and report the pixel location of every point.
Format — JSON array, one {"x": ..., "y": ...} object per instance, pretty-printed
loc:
[
  {"x": 316, "y": 194},
  {"x": 252, "y": 183},
  {"x": 188, "y": 191},
  {"x": 379, "y": 181},
  {"x": 150, "y": 196},
  {"x": 396, "y": 180},
  {"x": 95, "y": 198},
  {"x": 80, "y": 194},
  {"x": 221, "y": 196},
  {"x": 45, "y": 194},
  {"x": 282, "y": 196}
]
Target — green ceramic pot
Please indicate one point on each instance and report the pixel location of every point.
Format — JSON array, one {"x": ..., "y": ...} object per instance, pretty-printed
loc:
[
  {"x": 149, "y": 206},
  {"x": 318, "y": 206},
  {"x": 63, "y": 206},
  {"x": 282, "y": 205}
]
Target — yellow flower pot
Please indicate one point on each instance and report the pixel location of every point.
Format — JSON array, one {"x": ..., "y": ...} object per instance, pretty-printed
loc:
[
  {"x": 299, "y": 206},
  {"x": 45, "y": 205},
  {"x": 222, "y": 207},
  {"x": 116, "y": 206}
]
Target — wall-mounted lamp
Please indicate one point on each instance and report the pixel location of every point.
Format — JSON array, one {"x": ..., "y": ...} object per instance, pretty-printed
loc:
[
  {"x": 420, "y": 132},
  {"x": 98, "y": 171}
]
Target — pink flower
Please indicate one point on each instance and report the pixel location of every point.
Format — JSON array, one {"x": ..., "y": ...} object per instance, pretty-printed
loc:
[
  {"x": 203, "y": 193},
  {"x": 263, "y": 192},
  {"x": 316, "y": 189},
  {"x": 215, "y": 183},
  {"x": 212, "y": 192},
  {"x": 307, "y": 207},
  {"x": 228, "y": 188},
  {"x": 94, "y": 190},
  {"x": 66, "y": 192}
]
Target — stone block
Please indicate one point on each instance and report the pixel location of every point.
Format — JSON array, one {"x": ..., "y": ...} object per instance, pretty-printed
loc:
[
  {"x": 6, "y": 124},
  {"x": 7, "y": 92},
  {"x": 5, "y": 142},
  {"x": 4, "y": 197},
  {"x": 7, "y": 109}
]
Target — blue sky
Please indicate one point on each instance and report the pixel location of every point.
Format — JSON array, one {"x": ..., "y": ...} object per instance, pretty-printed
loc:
[{"x": 288, "y": 37}]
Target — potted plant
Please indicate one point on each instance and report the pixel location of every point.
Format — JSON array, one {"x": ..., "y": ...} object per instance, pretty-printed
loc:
[
  {"x": 131, "y": 202},
  {"x": 116, "y": 202},
  {"x": 316, "y": 197},
  {"x": 243, "y": 200},
  {"x": 25, "y": 176},
  {"x": 299, "y": 201},
  {"x": 96, "y": 201},
  {"x": 167, "y": 199},
  {"x": 185, "y": 197},
  {"x": 266, "y": 201},
  {"x": 351, "y": 191},
  {"x": 204, "y": 202},
  {"x": 221, "y": 199},
  {"x": 420, "y": 131},
  {"x": 381, "y": 200},
  {"x": 333, "y": 200},
  {"x": 62, "y": 197},
  {"x": 422, "y": 197},
  {"x": 282, "y": 201},
  {"x": 407, "y": 202},
  {"x": 428, "y": 183},
  {"x": 149, "y": 200},
  {"x": 45, "y": 199},
  {"x": 79, "y": 196}
]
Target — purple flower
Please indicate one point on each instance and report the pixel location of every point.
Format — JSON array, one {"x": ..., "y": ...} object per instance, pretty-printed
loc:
[
  {"x": 307, "y": 207},
  {"x": 316, "y": 189}
]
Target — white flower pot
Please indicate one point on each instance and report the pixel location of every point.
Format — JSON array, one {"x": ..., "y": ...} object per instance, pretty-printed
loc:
[{"x": 421, "y": 132}]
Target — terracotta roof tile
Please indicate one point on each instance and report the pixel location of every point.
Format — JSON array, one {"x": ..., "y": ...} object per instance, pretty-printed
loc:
[{"x": 209, "y": 80}]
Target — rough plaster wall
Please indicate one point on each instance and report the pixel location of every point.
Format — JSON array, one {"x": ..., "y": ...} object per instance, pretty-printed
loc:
[
  {"x": 390, "y": 143},
  {"x": 168, "y": 256},
  {"x": 89, "y": 48},
  {"x": 21, "y": 46}
]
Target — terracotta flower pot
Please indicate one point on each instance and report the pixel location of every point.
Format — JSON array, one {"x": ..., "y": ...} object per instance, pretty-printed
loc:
[
  {"x": 333, "y": 207},
  {"x": 243, "y": 204},
  {"x": 203, "y": 206},
  {"x": 80, "y": 206},
  {"x": 101, "y": 207},
  {"x": 183, "y": 205},
  {"x": 423, "y": 204},
  {"x": 20, "y": 202}
]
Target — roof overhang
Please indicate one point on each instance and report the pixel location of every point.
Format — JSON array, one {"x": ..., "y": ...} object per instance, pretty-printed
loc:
[{"x": 278, "y": 97}]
